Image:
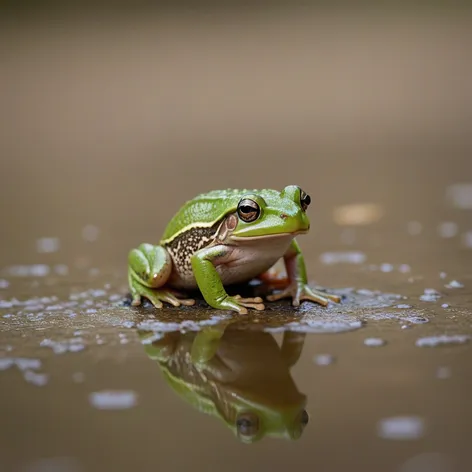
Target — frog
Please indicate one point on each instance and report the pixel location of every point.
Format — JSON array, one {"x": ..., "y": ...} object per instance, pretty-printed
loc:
[
  {"x": 241, "y": 377},
  {"x": 223, "y": 238}
]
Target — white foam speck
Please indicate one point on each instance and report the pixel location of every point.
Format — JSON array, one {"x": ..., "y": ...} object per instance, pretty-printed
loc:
[
  {"x": 36, "y": 379},
  {"x": 448, "y": 229},
  {"x": 444, "y": 305},
  {"x": 347, "y": 257},
  {"x": 433, "y": 341},
  {"x": 44, "y": 245},
  {"x": 460, "y": 195},
  {"x": 386, "y": 267},
  {"x": 454, "y": 284},
  {"x": 78, "y": 377},
  {"x": 430, "y": 295},
  {"x": 443, "y": 373},
  {"x": 113, "y": 399},
  {"x": 401, "y": 428},
  {"x": 4, "y": 284},
  {"x": 90, "y": 233},
  {"x": 324, "y": 359},
  {"x": 467, "y": 239},
  {"x": 61, "y": 269},
  {"x": 374, "y": 342},
  {"x": 403, "y": 306},
  {"x": 35, "y": 270}
]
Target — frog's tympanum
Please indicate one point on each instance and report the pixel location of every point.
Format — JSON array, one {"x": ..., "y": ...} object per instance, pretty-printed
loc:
[
  {"x": 242, "y": 377},
  {"x": 222, "y": 238}
]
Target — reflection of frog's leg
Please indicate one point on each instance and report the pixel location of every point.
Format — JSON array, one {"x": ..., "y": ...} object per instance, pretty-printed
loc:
[
  {"x": 298, "y": 289},
  {"x": 159, "y": 347},
  {"x": 149, "y": 267},
  {"x": 292, "y": 347},
  {"x": 209, "y": 282},
  {"x": 206, "y": 344}
]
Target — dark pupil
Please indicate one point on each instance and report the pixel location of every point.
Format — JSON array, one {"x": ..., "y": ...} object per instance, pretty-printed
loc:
[
  {"x": 305, "y": 418},
  {"x": 243, "y": 423},
  {"x": 244, "y": 426},
  {"x": 306, "y": 199},
  {"x": 247, "y": 209}
]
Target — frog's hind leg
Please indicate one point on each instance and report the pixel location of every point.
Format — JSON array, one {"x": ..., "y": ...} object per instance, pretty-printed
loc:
[
  {"x": 275, "y": 277},
  {"x": 149, "y": 268}
]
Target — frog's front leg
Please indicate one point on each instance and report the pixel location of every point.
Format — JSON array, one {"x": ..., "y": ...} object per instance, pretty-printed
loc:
[
  {"x": 209, "y": 282},
  {"x": 298, "y": 287},
  {"x": 149, "y": 268}
]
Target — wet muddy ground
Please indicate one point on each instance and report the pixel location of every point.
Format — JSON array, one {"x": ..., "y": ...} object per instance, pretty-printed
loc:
[{"x": 108, "y": 138}]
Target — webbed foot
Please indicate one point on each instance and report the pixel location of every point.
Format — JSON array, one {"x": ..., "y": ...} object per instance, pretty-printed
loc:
[{"x": 300, "y": 291}]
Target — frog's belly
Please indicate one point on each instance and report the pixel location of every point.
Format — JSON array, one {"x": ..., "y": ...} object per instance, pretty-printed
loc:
[{"x": 244, "y": 262}]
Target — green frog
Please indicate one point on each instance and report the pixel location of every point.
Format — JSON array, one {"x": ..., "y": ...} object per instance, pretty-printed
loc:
[
  {"x": 227, "y": 237},
  {"x": 238, "y": 376}
]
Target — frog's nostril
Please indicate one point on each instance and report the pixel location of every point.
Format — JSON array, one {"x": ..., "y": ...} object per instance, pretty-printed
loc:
[{"x": 283, "y": 216}]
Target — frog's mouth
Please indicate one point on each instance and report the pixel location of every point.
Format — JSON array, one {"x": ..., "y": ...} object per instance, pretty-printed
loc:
[{"x": 270, "y": 236}]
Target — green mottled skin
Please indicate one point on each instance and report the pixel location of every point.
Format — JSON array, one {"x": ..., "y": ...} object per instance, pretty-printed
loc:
[
  {"x": 221, "y": 238},
  {"x": 243, "y": 378}
]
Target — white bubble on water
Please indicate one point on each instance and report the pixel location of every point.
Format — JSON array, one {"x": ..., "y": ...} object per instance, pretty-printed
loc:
[
  {"x": 430, "y": 295},
  {"x": 460, "y": 195},
  {"x": 45, "y": 245},
  {"x": 443, "y": 372},
  {"x": 324, "y": 359},
  {"x": 61, "y": 269},
  {"x": 90, "y": 233},
  {"x": 401, "y": 428},
  {"x": 448, "y": 229},
  {"x": 374, "y": 342},
  {"x": 36, "y": 379},
  {"x": 113, "y": 399},
  {"x": 4, "y": 283},
  {"x": 454, "y": 284},
  {"x": 346, "y": 257},
  {"x": 386, "y": 267},
  {"x": 467, "y": 239},
  {"x": 443, "y": 340}
]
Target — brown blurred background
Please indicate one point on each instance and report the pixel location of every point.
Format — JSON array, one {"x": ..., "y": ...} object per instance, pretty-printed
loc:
[{"x": 113, "y": 116}]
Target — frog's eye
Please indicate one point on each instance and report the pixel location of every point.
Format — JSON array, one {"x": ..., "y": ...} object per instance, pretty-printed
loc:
[
  {"x": 304, "y": 418},
  {"x": 305, "y": 200},
  {"x": 248, "y": 210},
  {"x": 247, "y": 425}
]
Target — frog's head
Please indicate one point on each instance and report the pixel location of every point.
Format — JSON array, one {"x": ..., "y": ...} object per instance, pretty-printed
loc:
[
  {"x": 254, "y": 422},
  {"x": 269, "y": 213}
]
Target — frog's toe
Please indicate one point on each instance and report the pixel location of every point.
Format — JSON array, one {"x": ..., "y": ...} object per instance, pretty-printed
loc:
[
  {"x": 171, "y": 297},
  {"x": 255, "y": 303},
  {"x": 288, "y": 292}
]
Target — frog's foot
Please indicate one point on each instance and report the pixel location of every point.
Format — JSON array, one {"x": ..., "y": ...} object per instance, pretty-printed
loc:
[
  {"x": 301, "y": 291},
  {"x": 157, "y": 296},
  {"x": 240, "y": 305}
]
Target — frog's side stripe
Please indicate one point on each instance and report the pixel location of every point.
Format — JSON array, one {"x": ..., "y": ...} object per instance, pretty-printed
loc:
[{"x": 185, "y": 229}]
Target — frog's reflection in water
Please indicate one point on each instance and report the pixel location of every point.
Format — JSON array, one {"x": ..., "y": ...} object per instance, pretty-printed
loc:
[{"x": 240, "y": 376}]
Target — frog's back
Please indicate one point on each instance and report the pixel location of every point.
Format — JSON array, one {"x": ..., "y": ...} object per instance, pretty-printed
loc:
[{"x": 204, "y": 211}]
